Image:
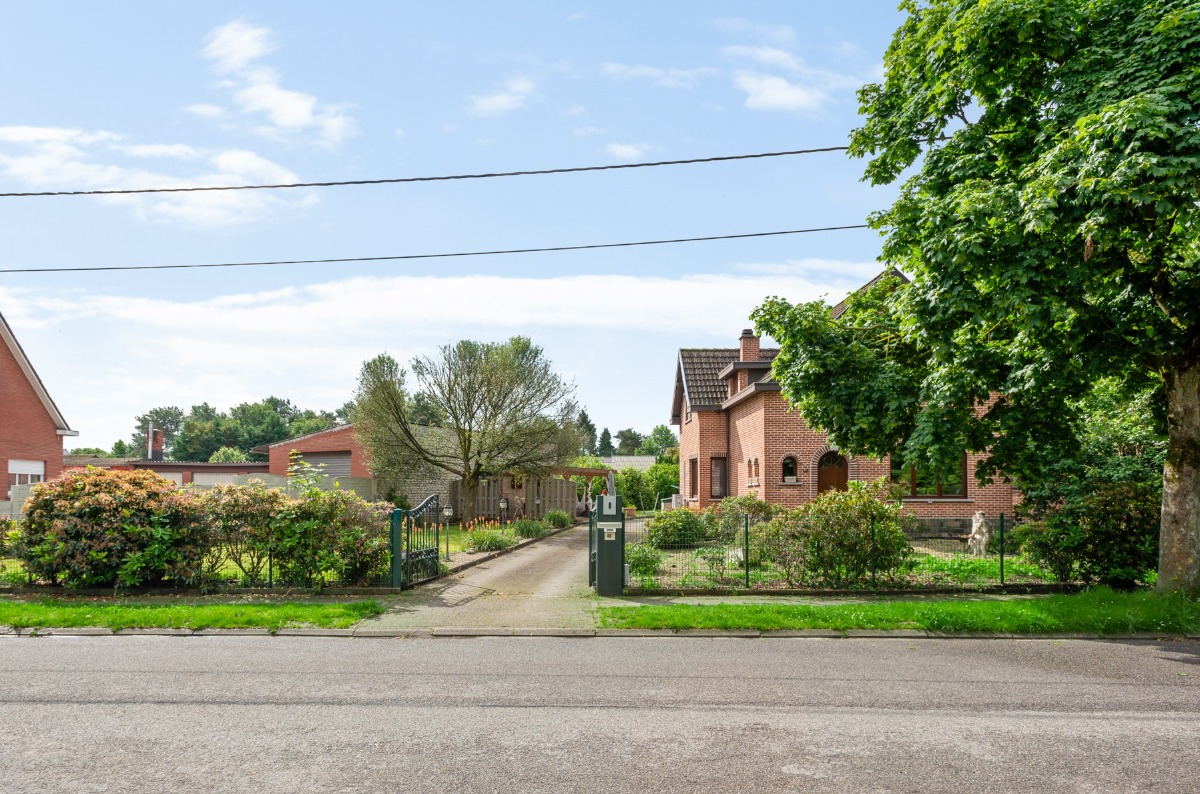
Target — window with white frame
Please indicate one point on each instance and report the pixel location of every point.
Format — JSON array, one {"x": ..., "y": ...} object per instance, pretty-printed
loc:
[{"x": 25, "y": 472}]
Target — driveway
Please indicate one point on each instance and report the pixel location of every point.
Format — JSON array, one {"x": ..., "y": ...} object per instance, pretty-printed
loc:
[{"x": 543, "y": 585}]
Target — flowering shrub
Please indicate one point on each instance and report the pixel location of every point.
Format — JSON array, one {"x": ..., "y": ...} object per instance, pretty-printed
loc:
[
  {"x": 529, "y": 528},
  {"x": 837, "y": 540},
  {"x": 485, "y": 535},
  {"x": 676, "y": 529},
  {"x": 240, "y": 524},
  {"x": 102, "y": 528}
]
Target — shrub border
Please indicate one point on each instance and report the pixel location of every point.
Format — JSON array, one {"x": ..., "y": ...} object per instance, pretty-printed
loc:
[{"x": 281, "y": 591}]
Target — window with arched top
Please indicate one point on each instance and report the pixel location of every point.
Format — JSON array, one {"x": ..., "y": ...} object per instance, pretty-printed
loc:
[
  {"x": 756, "y": 468},
  {"x": 789, "y": 469},
  {"x": 749, "y": 468}
]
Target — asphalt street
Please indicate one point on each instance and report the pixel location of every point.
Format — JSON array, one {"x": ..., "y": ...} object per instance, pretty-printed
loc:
[{"x": 607, "y": 714}]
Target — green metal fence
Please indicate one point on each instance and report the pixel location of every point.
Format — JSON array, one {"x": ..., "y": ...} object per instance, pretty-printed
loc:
[{"x": 732, "y": 552}]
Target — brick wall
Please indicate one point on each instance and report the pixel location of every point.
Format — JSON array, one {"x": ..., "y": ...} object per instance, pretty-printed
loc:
[
  {"x": 702, "y": 439},
  {"x": 27, "y": 432},
  {"x": 340, "y": 439},
  {"x": 763, "y": 428}
]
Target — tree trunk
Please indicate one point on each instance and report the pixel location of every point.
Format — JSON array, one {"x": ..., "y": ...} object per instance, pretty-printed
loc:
[
  {"x": 470, "y": 486},
  {"x": 1179, "y": 541}
]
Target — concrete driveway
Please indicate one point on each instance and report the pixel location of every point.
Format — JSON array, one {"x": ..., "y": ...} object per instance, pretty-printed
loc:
[{"x": 541, "y": 586}]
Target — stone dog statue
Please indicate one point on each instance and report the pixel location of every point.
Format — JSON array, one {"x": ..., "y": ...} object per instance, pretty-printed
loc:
[{"x": 981, "y": 533}]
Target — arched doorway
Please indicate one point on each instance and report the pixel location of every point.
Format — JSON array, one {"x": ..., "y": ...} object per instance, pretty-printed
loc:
[{"x": 833, "y": 473}]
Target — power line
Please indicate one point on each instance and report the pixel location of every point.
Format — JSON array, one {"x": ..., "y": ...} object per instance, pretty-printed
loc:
[
  {"x": 498, "y": 252},
  {"x": 404, "y": 180}
]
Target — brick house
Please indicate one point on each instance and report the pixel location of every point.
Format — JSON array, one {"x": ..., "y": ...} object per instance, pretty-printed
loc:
[
  {"x": 31, "y": 426},
  {"x": 737, "y": 437}
]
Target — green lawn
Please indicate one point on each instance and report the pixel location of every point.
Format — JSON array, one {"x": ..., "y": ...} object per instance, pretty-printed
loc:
[
  {"x": 129, "y": 613},
  {"x": 1098, "y": 611}
]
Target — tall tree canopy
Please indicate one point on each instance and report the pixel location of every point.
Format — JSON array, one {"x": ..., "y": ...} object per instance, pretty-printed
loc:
[
  {"x": 604, "y": 447},
  {"x": 1051, "y": 232},
  {"x": 628, "y": 441},
  {"x": 204, "y": 430},
  {"x": 661, "y": 439},
  {"x": 504, "y": 409}
]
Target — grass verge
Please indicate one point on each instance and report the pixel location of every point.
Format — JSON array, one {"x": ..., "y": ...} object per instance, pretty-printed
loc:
[
  {"x": 273, "y": 615},
  {"x": 1099, "y": 611}
]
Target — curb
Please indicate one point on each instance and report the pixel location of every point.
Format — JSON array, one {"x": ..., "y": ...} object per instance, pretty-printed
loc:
[{"x": 468, "y": 632}]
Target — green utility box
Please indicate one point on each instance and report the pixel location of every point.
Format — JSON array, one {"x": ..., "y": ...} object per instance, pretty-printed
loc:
[{"x": 610, "y": 545}]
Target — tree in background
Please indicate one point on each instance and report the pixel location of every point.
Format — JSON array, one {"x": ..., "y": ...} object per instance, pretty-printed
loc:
[
  {"x": 93, "y": 451},
  {"x": 604, "y": 447},
  {"x": 1052, "y": 232},
  {"x": 505, "y": 409},
  {"x": 588, "y": 428},
  {"x": 424, "y": 411},
  {"x": 228, "y": 455},
  {"x": 628, "y": 441},
  {"x": 660, "y": 439},
  {"x": 120, "y": 449},
  {"x": 168, "y": 419},
  {"x": 205, "y": 429}
]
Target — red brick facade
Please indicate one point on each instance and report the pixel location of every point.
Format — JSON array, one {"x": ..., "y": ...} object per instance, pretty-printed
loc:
[
  {"x": 337, "y": 439},
  {"x": 31, "y": 427},
  {"x": 753, "y": 430}
]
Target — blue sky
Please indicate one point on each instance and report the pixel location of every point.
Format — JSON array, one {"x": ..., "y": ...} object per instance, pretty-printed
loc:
[{"x": 151, "y": 94}]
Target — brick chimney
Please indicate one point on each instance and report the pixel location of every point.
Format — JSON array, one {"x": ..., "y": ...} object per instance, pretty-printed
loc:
[
  {"x": 156, "y": 445},
  {"x": 749, "y": 346}
]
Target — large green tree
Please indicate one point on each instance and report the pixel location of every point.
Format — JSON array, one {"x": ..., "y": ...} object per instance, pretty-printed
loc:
[
  {"x": 505, "y": 409},
  {"x": 661, "y": 439},
  {"x": 167, "y": 418},
  {"x": 1050, "y": 227},
  {"x": 628, "y": 441}
]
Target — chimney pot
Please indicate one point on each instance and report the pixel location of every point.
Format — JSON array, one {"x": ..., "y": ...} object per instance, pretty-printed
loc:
[
  {"x": 156, "y": 445},
  {"x": 748, "y": 346}
]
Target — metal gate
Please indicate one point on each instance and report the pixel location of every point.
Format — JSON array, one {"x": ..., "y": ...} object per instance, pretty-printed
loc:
[{"x": 415, "y": 538}]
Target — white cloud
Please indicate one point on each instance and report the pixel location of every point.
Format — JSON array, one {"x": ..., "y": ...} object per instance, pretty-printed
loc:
[
  {"x": 257, "y": 90},
  {"x": 206, "y": 111},
  {"x": 834, "y": 271},
  {"x": 234, "y": 45},
  {"x": 48, "y": 135},
  {"x": 252, "y": 345},
  {"x": 771, "y": 92},
  {"x": 627, "y": 151},
  {"x": 178, "y": 151},
  {"x": 667, "y": 78},
  {"x": 767, "y": 56},
  {"x": 584, "y": 132},
  {"x": 515, "y": 95},
  {"x": 48, "y": 158}
]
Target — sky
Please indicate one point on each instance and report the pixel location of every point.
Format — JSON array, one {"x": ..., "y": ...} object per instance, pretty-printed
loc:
[{"x": 149, "y": 94}]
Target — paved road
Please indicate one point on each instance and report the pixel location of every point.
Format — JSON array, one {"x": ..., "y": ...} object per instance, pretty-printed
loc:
[
  {"x": 543, "y": 585},
  {"x": 536, "y": 714}
]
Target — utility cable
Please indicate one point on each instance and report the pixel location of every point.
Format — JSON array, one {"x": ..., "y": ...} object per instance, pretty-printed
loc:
[
  {"x": 405, "y": 180},
  {"x": 497, "y": 252}
]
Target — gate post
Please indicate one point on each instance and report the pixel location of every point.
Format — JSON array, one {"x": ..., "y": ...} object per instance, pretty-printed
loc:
[
  {"x": 610, "y": 542},
  {"x": 396, "y": 539}
]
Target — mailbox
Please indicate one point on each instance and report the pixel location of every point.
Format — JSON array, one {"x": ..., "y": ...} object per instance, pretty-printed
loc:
[{"x": 610, "y": 554}]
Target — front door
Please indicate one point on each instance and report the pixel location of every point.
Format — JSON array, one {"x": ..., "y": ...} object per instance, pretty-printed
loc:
[{"x": 833, "y": 474}]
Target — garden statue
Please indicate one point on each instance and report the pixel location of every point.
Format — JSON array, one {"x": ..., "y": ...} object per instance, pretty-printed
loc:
[{"x": 981, "y": 533}]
